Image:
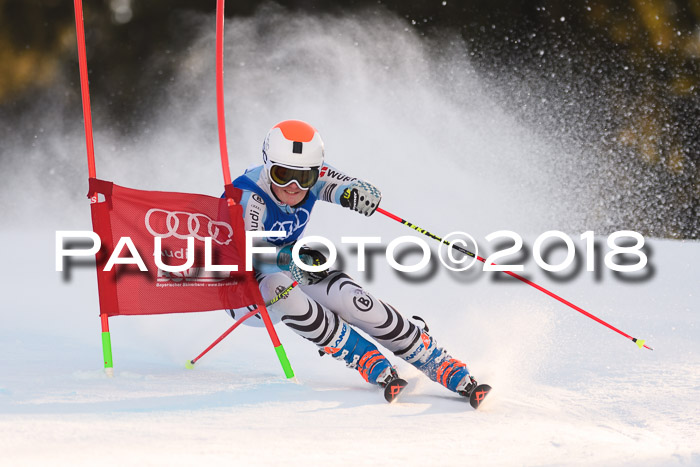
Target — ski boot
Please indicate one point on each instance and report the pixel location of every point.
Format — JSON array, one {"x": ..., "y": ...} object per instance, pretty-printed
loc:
[
  {"x": 441, "y": 367},
  {"x": 360, "y": 354},
  {"x": 438, "y": 365}
]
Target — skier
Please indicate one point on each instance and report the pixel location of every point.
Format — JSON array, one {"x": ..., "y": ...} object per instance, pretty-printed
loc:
[{"x": 280, "y": 195}]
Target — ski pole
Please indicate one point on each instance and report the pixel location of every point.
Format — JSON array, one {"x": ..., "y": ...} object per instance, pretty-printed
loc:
[
  {"x": 190, "y": 364},
  {"x": 640, "y": 342}
]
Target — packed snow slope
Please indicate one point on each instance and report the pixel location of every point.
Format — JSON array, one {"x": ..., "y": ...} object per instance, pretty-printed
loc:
[{"x": 566, "y": 389}]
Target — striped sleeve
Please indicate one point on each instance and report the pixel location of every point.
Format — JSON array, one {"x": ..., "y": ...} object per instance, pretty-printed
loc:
[{"x": 331, "y": 184}]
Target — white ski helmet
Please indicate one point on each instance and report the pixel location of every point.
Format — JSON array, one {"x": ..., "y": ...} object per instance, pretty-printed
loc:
[{"x": 293, "y": 144}]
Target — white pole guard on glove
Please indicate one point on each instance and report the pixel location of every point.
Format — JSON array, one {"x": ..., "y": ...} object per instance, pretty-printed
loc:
[{"x": 362, "y": 197}]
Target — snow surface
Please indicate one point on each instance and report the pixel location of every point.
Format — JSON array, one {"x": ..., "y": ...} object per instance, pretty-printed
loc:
[{"x": 566, "y": 389}]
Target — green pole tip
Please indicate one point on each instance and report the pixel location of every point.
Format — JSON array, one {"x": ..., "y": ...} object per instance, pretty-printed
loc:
[
  {"x": 107, "y": 350},
  {"x": 286, "y": 366},
  {"x": 189, "y": 365}
]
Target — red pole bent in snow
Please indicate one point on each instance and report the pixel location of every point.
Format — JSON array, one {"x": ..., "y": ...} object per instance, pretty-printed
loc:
[
  {"x": 639, "y": 342},
  {"x": 221, "y": 118},
  {"x": 238, "y": 322},
  {"x": 191, "y": 363}
]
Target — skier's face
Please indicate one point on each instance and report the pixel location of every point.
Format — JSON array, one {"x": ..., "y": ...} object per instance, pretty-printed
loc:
[{"x": 290, "y": 194}]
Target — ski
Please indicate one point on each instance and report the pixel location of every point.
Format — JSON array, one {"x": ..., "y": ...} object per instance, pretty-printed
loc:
[
  {"x": 478, "y": 395},
  {"x": 393, "y": 389}
]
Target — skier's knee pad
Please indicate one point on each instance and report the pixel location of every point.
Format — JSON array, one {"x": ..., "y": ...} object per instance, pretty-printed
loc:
[
  {"x": 340, "y": 293},
  {"x": 360, "y": 307},
  {"x": 295, "y": 302},
  {"x": 272, "y": 284}
]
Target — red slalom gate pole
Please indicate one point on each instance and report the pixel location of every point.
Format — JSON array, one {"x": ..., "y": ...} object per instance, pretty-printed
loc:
[
  {"x": 221, "y": 119},
  {"x": 640, "y": 342},
  {"x": 190, "y": 364},
  {"x": 282, "y": 294},
  {"x": 87, "y": 117},
  {"x": 220, "y": 109},
  {"x": 84, "y": 86}
]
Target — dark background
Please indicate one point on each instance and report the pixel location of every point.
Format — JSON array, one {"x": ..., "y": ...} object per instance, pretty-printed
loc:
[{"x": 637, "y": 59}]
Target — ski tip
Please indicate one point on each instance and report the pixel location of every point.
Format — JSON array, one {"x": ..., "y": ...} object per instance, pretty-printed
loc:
[
  {"x": 189, "y": 364},
  {"x": 478, "y": 395},
  {"x": 393, "y": 389}
]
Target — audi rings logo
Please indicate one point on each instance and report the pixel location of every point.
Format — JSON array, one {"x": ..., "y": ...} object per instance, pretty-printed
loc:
[
  {"x": 178, "y": 224},
  {"x": 301, "y": 218}
]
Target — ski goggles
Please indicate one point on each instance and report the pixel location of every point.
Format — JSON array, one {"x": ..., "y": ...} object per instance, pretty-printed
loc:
[{"x": 282, "y": 175}]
